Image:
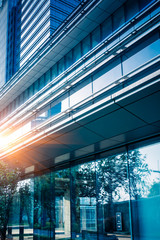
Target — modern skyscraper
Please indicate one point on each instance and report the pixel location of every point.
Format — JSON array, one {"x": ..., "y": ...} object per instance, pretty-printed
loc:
[
  {"x": 39, "y": 19},
  {"x": 3, "y": 41},
  {"x": 79, "y": 112}
]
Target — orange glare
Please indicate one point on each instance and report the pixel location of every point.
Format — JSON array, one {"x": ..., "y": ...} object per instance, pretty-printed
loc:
[{"x": 4, "y": 142}]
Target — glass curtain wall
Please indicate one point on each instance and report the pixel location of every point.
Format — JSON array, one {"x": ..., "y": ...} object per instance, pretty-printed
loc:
[
  {"x": 22, "y": 215},
  {"x": 109, "y": 26},
  {"x": 62, "y": 204},
  {"x": 144, "y": 175},
  {"x": 84, "y": 214},
  {"x": 111, "y": 198},
  {"x": 43, "y": 207}
]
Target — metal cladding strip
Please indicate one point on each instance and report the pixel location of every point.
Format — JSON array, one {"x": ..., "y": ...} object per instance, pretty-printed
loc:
[
  {"x": 57, "y": 36},
  {"x": 40, "y": 132},
  {"x": 27, "y": 112},
  {"x": 48, "y": 48}
]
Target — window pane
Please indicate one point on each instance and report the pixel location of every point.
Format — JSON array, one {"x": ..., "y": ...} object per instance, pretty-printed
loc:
[
  {"x": 47, "y": 77},
  {"x": 26, "y": 94},
  {"x": 80, "y": 92},
  {"x": 62, "y": 204},
  {"x": 144, "y": 172},
  {"x": 21, "y": 98},
  {"x": 21, "y": 214},
  {"x": 60, "y": 104},
  {"x": 69, "y": 60},
  {"x": 30, "y": 90},
  {"x": 96, "y": 37},
  {"x": 135, "y": 57},
  {"x": 40, "y": 117},
  {"x": 107, "y": 75},
  {"x": 17, "y": 102},
  {"x": 132, "y": 8},
  {"x": 113, "y": 197},
  {"x": 36, "y": 86},
  {"x": 61, "y": 66},
  {"x": 118, "y": 18},
  {"x": 55, "y": 110},
  {"x": 84, "y": 214},
  {"x": 106, "y": 27},
  {"x": 42, "y": 207},
  {"x": 54, "y": 71},
  {"x": 77, "y": 52},
  {"x": 86, "y": 45},
  {"x": 41, "y": 82}
]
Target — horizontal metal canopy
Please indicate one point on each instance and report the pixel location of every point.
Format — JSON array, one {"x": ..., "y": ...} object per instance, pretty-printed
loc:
[{"x": 124, "y": 120}]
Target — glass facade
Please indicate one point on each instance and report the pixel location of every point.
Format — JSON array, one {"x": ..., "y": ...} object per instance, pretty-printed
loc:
[
  {"x": 3, "y": 41},
  {"x": 115, "y": 196},
  {"x": 145, "y": 191},
  {"x": 39, "y": 19},
  {"x": 112, "y": 71},
  {"x": 13, "y": 41},
  {"x": 80, "y": 126}
]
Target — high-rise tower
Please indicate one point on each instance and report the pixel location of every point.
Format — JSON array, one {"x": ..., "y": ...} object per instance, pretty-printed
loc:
[{"x": 27, "y": 25}]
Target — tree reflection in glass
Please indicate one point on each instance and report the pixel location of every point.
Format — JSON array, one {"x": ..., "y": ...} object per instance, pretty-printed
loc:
[
  {"x": 145, "y": 192},
  {"x": 62, "y": 204},
  {"x": 43, "y": 205},
  {"x": 84, "y": 215},
  {"x": 113, "y": 197}
]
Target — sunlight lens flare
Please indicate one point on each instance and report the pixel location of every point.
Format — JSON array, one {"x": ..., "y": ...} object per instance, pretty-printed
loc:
[{"x": 4, "y": 142}]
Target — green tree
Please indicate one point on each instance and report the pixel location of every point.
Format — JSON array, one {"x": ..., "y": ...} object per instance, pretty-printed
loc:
[{"x": 8, "y": 184}]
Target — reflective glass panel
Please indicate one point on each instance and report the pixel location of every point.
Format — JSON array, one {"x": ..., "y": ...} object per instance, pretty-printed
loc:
[
  {"x": 132, "y": 8},
  {"x": 36, "y": 86},
  {"x": 47, "y": 77},
  {"x": 61, "y": 66},
  {"x": 21, "y": 214},
  {"x": 69, "y": 59},
  {"x": 80, "y": 92},
  {"x": 142, "y": 53},
  {"x": 84, "y": 213},
  {"x": 77, "y": 52},
  {"x": 41, "y": 82},
  {"x": 54, "y": 71},
  {"x": 113, "y": 198},
  {"x": 40, "y": 117},
  {"x": 62, "y": 205},
  {"x": 86, "y": 44},
  {"x": 144, "y": 173},
  {"x": 107, "y": 75},
  {"x": 43, "y": 204},
  {"x": 118, "y": 18},
  {"x": 96, "y": 38},
  {"x": 106, "y": 27}
]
